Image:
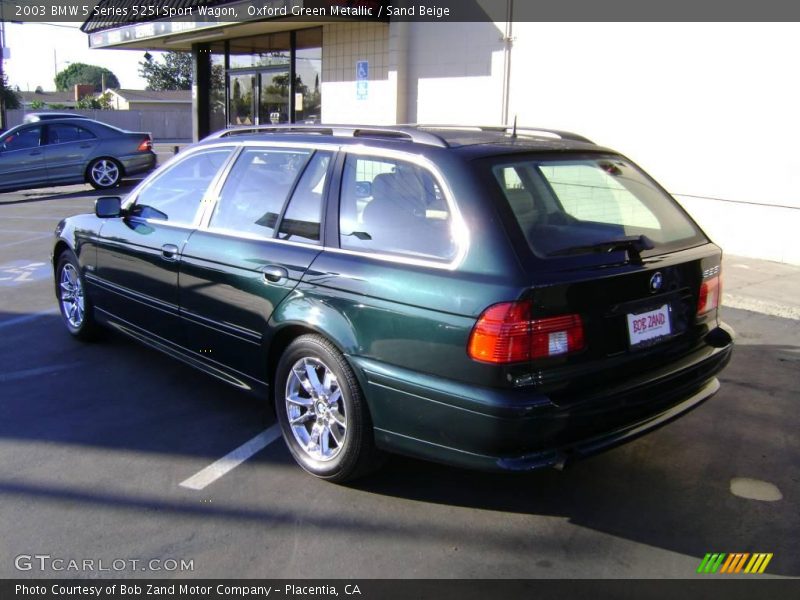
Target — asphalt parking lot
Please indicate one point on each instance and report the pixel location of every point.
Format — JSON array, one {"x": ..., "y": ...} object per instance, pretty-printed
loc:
[{"x": 96, "y": 440}]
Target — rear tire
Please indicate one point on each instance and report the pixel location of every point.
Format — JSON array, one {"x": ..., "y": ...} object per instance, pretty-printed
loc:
[
  {"x": 77, "y": 311},
  {"x": 322, "y": 412},
  {"x": 103, "y": 173}
]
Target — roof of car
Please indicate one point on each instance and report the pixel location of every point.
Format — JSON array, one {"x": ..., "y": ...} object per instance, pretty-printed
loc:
[
  {"x": 473, "y": 140},
  {"x": 50, "y": 116}
]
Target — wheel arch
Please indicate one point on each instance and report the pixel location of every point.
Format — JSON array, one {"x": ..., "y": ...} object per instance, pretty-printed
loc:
[{"x": 301, "y": 315}]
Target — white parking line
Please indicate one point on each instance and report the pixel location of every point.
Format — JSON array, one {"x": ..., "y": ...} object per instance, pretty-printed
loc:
[{"x": 232, "y": 460}]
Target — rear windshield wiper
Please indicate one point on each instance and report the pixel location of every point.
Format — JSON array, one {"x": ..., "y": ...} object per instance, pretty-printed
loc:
[{"x": 632, "y": 244}]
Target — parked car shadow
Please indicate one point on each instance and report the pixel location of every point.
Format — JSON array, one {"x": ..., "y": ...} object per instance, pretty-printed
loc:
[
  {"x": 670, "y": 489},
  {"x": 51, "y": 193}
]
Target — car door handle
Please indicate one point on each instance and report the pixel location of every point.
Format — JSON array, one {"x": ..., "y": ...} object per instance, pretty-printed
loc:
[
  {"x": 169, "y": 252},
  {"x": 35, "y": 153},
  {"x": 274, "y": 273},
  {"x": 86, "y": 145}
]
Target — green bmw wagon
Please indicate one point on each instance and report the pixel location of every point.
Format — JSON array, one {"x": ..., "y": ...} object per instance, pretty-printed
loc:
[{"x": 492, "y": 298}]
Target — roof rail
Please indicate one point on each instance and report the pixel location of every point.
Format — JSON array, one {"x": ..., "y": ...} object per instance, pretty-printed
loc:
[
  {"x": 564, "y": 135},
  {"x": 400, "y": 132},
  {"x": 533, "y": 131}
]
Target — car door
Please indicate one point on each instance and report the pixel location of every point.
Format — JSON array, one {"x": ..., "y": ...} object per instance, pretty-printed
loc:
[
  {"x": 21, "y": 158},
  {"x": 68, "y": 150},
  {"x": 139, "y": 254},
  {"x": 262, "y": 235}
]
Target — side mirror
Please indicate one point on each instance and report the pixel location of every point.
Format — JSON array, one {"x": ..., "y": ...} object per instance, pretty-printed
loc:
[{"x": 108, "y": 207}]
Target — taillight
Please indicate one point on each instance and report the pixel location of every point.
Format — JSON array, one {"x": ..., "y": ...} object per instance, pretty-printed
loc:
[
  {"x": 506, "y": 333},
  {"x": 146, "y": 145},
  {"x": 710, "y": 295}
]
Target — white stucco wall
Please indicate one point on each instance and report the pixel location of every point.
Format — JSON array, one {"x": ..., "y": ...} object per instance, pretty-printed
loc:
[{"x": 709, "y": 109}]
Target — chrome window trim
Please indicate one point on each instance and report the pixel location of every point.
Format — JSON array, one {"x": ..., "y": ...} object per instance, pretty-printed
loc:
[
  {"x": 133, "y": 197},
  {"x": 458, "y": 225},
  {"x": 245, "y": 235},
  {"x": 210, "y": 199}
]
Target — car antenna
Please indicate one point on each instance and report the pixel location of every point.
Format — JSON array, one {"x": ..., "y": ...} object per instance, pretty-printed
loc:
[{"x": 514, "y": 128}]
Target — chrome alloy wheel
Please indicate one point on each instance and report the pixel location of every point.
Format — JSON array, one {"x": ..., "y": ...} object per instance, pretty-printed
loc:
[
  {"x": 315, "y": 409},
  {"x": 105, "y": 173},
  {"x": 72, "y": 301}
]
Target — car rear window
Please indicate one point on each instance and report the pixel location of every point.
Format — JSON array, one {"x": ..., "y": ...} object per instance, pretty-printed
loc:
[{"x": 574, "y": 206}]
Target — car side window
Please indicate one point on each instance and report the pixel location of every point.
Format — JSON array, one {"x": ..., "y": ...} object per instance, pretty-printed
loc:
[
  {"x": 175, "y": 194},
  {"x": 303, "y": 217},
  {"x": 23, "y": 139},
  {"x": 256, "y": 189},
  {"x": 61, "y": 133},
  {"x": 395, "y": 207}
]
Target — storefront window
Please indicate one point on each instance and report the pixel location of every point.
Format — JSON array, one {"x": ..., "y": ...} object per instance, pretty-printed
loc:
[
  {"x": 260, "y": 51},
  {"x": 258, "y": 79},
  {"x": 216, "y": 105},
  {"x": 308, "y": 83}
]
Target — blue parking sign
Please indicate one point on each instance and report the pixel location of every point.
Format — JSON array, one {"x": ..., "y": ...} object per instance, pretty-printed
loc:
[{"x": 362, "y": 70}]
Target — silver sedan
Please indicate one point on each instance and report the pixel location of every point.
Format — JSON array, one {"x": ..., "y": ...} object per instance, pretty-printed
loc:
[{"x": 71, "y": 150}]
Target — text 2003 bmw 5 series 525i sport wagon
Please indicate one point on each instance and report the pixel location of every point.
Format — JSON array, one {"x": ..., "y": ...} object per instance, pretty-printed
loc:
[{"x": 495, "y": 299}]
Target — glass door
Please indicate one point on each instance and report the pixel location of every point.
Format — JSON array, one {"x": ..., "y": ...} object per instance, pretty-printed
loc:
[
  {"x": 241, "y": 106},
  {"x": 273, "y": 96}
]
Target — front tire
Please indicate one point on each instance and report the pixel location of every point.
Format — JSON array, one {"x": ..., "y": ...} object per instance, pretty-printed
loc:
[
  {"x": 104, "y": 173},
  {"x": 322, "y": 412},
  {"x": 76, "y": 308}
]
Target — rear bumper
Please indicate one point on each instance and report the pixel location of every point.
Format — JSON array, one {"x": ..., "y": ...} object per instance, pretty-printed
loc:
[
  {"x": 141, "y": 162},
  {"x": 517, "y": 430}
]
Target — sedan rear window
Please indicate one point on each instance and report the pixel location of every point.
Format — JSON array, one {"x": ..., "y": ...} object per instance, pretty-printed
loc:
[{"x": 589, "y": 204}]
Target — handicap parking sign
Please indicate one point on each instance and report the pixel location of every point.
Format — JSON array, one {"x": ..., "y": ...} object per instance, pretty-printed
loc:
[{"x": 362, "y": 70}]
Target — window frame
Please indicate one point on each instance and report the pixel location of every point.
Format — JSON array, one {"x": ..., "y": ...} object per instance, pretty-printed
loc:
[
  {"x": 329, "y": 231},
  {"x": 209, "y": 195},
  {"x": 206, "y": 220},
  {"x": 94, "y": 137},
  {"x": 42, "y": 136},
  {"x": 458, "y": 225}
]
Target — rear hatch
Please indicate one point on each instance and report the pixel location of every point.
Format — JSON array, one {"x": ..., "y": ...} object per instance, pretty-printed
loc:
[{"x": 623, "y": 283}]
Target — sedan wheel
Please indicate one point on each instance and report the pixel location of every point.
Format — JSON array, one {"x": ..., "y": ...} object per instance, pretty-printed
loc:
[
  {"x": 322, "y": 412},
  {"x": 104, "y": 173},
  {"x": 76, "y": 308},
  {"x": 73, "y": 306}
]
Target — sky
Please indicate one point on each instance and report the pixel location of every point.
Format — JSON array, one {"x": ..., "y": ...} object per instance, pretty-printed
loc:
[{"x": 33, "y": 62}]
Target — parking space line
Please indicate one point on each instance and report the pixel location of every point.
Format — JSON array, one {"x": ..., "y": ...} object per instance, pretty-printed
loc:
[{"x": 230, "y": 461}]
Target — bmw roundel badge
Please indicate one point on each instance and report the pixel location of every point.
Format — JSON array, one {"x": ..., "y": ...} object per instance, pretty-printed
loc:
[{"x": 656, "y": 281}]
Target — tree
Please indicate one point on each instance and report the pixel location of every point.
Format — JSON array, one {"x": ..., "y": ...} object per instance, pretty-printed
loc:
[
  {"x": 10, "y": 99},
  {"x": 81, "y": 73},
  {"x": 101, "y": 102},
  {"x": 174, "y": 73}
]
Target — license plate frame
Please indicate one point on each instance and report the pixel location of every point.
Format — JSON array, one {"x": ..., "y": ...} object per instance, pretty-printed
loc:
[{"x": 649, "y": 326}]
